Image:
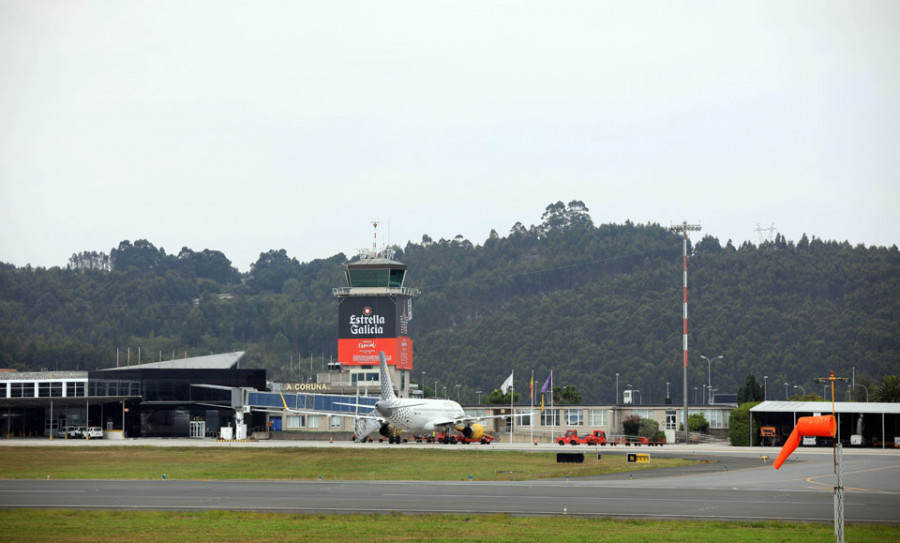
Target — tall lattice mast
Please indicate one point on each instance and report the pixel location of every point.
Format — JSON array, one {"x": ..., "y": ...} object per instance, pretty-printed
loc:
[{"x": 684, "y": 228}]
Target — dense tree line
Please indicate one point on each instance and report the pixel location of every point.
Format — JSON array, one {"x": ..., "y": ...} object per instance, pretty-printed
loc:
[{"x": 587, "y": 301}]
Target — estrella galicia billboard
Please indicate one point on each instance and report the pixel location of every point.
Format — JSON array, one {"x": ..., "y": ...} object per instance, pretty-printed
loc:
[
  {"x": 374, "y": 317},
  {"x": 371, "y": 324}
]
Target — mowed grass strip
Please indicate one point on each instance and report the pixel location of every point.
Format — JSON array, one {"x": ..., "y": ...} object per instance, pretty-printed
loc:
[
  {"x": 394, "y": 463},
  {"x": 67, "y": 526}
]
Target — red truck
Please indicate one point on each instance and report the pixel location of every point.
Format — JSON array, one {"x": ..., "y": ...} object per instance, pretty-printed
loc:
[{"x": 597, "y": 437}]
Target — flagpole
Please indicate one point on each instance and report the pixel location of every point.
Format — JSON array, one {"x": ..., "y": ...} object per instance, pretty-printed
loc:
[
  {"x": 532, "y": 405},
  {"x": 552, "y": 412},
  {"x": 512, "y": 417}
]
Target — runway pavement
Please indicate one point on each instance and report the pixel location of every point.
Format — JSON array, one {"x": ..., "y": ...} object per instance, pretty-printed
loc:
[{"x": 731, "y": 483}]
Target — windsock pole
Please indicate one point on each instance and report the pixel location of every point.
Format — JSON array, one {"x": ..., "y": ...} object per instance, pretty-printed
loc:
[{"x": 821, "y": 426}]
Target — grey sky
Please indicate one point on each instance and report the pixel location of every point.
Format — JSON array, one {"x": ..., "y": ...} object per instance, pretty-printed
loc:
[{"x": 249, "y": 126}]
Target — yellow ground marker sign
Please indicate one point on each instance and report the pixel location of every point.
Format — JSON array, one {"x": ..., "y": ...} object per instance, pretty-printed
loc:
[{"x": 638, "y": 458}]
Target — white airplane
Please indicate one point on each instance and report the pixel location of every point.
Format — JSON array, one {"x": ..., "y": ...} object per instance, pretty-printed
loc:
[{"x": 393, "y": 416}]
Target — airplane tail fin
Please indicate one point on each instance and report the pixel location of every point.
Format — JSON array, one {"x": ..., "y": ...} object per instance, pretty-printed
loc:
[{"x": 387, "y": 387}]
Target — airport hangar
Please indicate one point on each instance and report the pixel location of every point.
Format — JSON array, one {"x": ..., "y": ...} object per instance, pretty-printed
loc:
[{"x": 876, "y": 424}]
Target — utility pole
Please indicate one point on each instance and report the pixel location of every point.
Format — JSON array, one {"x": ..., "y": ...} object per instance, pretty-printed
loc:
[{"x": 683, "y": 229}]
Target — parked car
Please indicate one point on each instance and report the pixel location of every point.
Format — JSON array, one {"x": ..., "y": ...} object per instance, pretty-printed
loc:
[
  {"x": 93, "y": 432},
  {"x": 71, "y": 431},
  {"x": 78, "y": 431}
]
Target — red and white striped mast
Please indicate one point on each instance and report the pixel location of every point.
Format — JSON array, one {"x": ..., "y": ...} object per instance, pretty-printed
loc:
[{"x": 684, "y": 228}]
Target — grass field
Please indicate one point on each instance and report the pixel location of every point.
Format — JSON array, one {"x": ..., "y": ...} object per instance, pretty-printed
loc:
[
  {"x": 302, "y": 464},
  {"x": 226, "y": 526}
]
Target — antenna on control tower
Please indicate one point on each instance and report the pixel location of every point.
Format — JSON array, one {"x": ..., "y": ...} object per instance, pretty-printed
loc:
[{"x": 375, "y": 241}]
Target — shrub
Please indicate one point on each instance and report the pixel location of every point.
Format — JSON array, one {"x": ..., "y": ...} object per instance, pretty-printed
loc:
[{"x": 739, "y": 431}]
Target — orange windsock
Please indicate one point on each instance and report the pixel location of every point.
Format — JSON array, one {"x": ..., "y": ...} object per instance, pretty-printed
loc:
[
  {"x": 822, "y": 426},
  {"x": 789, "y": 446}
]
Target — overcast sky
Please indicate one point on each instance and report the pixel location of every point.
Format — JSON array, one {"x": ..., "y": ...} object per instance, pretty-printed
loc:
[{"x": 249, "y": 126}]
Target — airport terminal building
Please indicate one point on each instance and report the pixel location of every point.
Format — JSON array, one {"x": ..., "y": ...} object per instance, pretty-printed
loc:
[{"x": 174, "y": 398}]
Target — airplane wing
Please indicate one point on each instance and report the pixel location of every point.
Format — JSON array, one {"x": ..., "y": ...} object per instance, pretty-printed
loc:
[{"x": 467, "y": 420}]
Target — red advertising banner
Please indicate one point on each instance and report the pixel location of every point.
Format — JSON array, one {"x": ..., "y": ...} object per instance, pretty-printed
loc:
[{"x": 364, "y": 352}]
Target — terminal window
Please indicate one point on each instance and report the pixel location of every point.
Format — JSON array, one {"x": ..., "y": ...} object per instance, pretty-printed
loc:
[
  {"x": 597, "y": 417},
  {"x": 550, "y": 417},
  {"x": 74, "y": 389},
  {"x": 574, "y": 417},
  {"x": 22, "y": 390}
]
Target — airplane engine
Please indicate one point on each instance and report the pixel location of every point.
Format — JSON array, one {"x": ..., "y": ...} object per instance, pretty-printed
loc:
[{"x": 473, "y": 431}]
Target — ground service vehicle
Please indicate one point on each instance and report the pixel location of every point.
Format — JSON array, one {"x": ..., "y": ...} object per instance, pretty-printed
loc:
[
  {"x": 484, "y": 439},
  {"x": 628, "y": 441},
  {"x": 93, "y": 432},
  {"x": 768, "y": 435},
  {"x": 572, "y": 438},
  {"x": 438, "y": 437}
]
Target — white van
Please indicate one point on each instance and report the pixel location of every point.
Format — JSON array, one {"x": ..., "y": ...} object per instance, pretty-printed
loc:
[{"x": 93, "y": 432}]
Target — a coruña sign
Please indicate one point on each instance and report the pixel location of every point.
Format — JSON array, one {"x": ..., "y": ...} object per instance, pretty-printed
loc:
[{"x": 305, "y": 387}]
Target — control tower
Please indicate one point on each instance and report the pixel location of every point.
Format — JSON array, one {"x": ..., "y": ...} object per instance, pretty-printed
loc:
[{"x": 375, "y": 310}]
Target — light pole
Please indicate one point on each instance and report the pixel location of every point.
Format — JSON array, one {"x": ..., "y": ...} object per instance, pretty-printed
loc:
[
  {"x": 479, "y": 396},
  {"x": 802, "y": 391},
  {"x": 457, "y": 393},
  {"x": 448, "y": 397},
  {"x": 641, "y": 397},
  {"x": 435, "y": 388},
  {"x": 695, "y": 395},
  {"x": 785, "y": 392},
  {"x": 423, "y": 383},
  {"x": 709, "y": 371},
  {"x": 765, "y": 387},
  {"x": 711, "y": 390},
  {"x": 866, "y": 389},
  {"x": 615, "y": 405}
]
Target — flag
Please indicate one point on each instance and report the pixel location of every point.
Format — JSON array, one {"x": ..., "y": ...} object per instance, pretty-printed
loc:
[
  {"x": 542, "y": 403},
  {"x": 548, "y": 384},
  {"x": 504, "y": 388}
]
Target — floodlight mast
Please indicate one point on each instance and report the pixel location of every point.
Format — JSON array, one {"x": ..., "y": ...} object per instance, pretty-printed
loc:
[{"x": 684, "y": 228}]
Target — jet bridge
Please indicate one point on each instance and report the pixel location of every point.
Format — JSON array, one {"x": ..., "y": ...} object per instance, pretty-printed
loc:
[
  {"x": 305, "y": 401},
  {"x": 245, "y": 400}
]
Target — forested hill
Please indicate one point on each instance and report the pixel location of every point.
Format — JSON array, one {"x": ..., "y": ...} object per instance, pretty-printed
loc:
[{"x": 586, "y": 300}]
